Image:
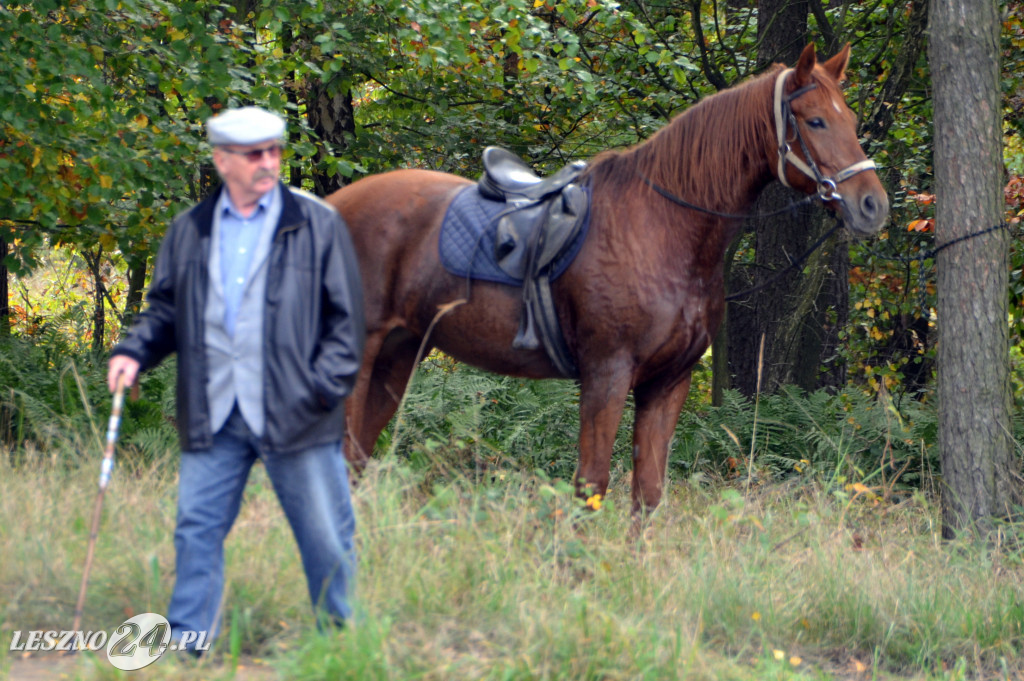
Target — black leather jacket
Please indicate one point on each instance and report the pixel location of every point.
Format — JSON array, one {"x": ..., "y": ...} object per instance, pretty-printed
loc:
[{"x": 313, "y": 328}]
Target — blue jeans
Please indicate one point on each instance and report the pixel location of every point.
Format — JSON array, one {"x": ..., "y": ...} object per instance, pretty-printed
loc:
[{"x": 312, "y": 487}]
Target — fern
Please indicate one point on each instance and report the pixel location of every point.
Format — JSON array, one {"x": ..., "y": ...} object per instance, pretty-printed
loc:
[
  {"x": 55, "y": 401},
  {"x": 849, "y": 435}
]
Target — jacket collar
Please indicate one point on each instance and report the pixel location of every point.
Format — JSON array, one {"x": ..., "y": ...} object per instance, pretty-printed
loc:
[{"x": 291, "y": 211}]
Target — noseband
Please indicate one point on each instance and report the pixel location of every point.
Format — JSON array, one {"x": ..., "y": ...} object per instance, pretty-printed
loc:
[{"x": 784, "y": 119}]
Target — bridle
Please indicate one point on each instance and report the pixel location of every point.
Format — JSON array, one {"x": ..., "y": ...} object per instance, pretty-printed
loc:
[
  {"x": 785, "y": 119},
  {"x": 827, "y": 186}
]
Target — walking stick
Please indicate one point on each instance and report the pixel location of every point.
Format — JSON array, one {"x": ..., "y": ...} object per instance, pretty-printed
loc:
[{"x": 106, "y": 468}]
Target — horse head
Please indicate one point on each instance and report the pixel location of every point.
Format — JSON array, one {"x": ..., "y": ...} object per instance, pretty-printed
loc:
[{"x": 817, "y": 142}]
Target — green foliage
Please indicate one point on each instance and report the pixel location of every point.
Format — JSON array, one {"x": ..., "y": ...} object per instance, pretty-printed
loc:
[
  {"x": 552, "y": 81},
  {"x": 102, "y": 134},
  {"x": 103, "y": 137},
  {"x": 845, "y": 437},
  {"x": 461, "y": 421},
  {"x": 57, "y": 403},
  {"x": 457, "y": 416},
  {"x": 90, "y": 155}
]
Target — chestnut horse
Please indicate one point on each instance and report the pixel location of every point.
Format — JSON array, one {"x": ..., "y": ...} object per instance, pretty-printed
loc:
[{"x": 644, "y": 297}]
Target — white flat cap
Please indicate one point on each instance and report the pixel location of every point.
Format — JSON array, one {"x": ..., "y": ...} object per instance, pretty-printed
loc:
[{"x": 247, "y": 125}]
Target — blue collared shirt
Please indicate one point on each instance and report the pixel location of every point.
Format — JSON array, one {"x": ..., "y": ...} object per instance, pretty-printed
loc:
[{"x": 239, "y": 238}]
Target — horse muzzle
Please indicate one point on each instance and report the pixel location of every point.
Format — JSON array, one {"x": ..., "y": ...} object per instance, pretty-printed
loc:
[{"x": 863, "y": 212}]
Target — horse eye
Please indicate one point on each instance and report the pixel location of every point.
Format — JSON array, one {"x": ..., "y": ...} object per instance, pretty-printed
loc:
[{"x": 818, "y": 123}]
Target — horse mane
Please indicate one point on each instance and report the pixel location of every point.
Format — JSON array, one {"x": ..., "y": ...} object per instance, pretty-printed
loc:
[{"x": 702, "y": 152}]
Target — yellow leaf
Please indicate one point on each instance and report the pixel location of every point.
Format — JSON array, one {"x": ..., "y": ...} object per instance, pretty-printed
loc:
[
  {"x": 106, "y": 181},
  {"x": 37, "y": 156},
  {"x": 142, "y": 120},
  {"x": 107, "y": 241},
  {"x": 780, "y": 655},
  {"x": 31, "y": 87},
  {"x": 795, "y": 661},
  {"x": 860, "y": 488}
]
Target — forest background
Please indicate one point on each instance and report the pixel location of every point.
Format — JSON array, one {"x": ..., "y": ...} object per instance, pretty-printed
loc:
[{"x": 102, "y": 142}]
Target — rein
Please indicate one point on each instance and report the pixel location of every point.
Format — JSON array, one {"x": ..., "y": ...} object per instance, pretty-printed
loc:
[{"x": 810, "y": 198}]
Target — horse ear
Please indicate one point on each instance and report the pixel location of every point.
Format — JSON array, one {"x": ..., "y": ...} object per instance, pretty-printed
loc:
[
  {"x": 836, "y": 66},
  {"x": 804, "y": 66}
]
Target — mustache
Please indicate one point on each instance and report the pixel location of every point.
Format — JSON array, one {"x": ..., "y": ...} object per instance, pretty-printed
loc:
[{"x": 260, "y": 174}]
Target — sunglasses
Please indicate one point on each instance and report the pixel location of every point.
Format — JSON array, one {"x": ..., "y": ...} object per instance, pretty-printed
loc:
[{"x": 255, "y": 155}]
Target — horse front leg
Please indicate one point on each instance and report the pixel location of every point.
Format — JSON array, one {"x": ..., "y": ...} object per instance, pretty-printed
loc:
[
  {"x": 657, "y": 410},
  {"x": 603, "y": 392}
]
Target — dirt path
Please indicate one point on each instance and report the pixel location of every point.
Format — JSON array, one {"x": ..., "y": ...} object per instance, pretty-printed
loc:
[{"x": 58, "y": 667}]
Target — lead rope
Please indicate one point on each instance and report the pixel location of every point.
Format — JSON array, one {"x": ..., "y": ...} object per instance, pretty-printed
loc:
[{"x": 792, "y": 265}]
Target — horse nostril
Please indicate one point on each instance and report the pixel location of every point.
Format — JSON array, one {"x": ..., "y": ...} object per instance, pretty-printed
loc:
[{"x": 869, "y": 206}]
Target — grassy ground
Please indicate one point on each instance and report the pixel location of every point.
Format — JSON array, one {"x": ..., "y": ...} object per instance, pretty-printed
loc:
[{"x": 506, "y": 576}]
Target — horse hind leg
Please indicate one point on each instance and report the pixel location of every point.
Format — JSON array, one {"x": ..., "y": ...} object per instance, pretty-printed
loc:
[
  {"x": 388, "y": 365},
  {"x": 657, "y": 412}
]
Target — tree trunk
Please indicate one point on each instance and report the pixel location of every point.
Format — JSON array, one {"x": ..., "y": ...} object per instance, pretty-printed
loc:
[
  {"x": 981, "y": 477},
  {"x": 136, "y": 292},
  {"x": 332, "y": 117},
  {"x": 98, "y": 310},
  {"x": 5, "y": 309},
  {"x": 782, "y": 312},
  {"x": 810, "y": 358},
  {"x": 790, "y": 312},
  {"x": 720, "y": 378}
]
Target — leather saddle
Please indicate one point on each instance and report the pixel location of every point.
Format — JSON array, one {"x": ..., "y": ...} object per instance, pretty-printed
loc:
[
  {"x": 542, "y": 218},
  {"x": 507, "y": 178}
]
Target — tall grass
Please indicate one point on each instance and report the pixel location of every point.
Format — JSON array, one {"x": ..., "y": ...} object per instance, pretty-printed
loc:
[
  {"x": 821, "y": 560},
  {"x": 509, "y": 578}
]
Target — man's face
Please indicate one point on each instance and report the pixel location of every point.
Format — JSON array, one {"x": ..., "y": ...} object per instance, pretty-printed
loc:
[{"x": 249, "y": 171}]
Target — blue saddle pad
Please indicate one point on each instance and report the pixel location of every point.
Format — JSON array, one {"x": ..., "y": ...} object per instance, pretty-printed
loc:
[{"x": 467, "y": 239}]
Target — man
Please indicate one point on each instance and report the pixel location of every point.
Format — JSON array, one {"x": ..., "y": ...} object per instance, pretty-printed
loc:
[{"x": 257, "y": 290}]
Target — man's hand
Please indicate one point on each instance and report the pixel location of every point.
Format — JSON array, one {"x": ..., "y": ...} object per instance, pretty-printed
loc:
[{"x": 121, "y": 365}]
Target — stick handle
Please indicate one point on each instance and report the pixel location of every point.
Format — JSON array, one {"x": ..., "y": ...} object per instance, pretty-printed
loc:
[{"x": 113, "y": 427}]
